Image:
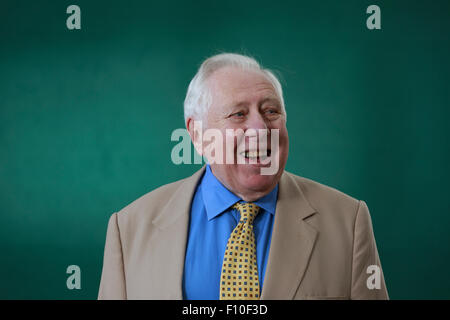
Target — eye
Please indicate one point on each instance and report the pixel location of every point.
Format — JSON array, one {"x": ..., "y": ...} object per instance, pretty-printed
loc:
[
  {"x": 238, "y": 114},
  {"x": 271, "y": 111}
]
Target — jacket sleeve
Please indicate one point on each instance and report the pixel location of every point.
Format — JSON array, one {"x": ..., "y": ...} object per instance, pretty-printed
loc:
[
  {"x": 367, "y": 275},
  {"x": 112, "y": 283}
]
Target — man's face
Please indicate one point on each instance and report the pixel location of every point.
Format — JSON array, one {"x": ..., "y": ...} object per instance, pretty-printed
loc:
[{"x": 243, "y": 99}]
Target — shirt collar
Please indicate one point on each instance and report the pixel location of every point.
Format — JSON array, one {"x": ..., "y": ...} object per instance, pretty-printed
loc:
[{"x": 217, "y": 198}]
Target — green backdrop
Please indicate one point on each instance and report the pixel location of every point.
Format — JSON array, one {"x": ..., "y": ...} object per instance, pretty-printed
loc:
[{"x": 86, "y": 118}]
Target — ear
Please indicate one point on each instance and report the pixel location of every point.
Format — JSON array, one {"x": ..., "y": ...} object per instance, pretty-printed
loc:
[{"x": 195, "y": 129}]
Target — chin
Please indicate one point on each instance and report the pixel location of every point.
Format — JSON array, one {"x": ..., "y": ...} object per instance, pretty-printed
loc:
[{"x": 259, "y": 183}]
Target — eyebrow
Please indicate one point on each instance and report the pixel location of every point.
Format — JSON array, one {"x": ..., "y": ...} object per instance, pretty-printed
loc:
[
  {"x": 270, "y": 99},
  {"x": 262, "y": 102}
]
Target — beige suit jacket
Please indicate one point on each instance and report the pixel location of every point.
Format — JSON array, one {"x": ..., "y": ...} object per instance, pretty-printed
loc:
[{"x": 322, "y": 244}]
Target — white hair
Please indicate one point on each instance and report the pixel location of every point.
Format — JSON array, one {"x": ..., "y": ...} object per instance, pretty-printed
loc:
[{"x": 198, "y": 96}]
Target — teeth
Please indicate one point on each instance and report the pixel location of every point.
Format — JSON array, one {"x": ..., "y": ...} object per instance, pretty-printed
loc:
[{"x": 254, "y": 154}]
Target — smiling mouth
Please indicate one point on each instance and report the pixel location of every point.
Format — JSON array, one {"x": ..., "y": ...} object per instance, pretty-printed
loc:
[{"x": 256, "y": 154}]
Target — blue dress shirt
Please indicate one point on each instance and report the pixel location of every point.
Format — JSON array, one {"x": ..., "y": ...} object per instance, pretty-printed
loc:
[{"x": 211, "y": 223}]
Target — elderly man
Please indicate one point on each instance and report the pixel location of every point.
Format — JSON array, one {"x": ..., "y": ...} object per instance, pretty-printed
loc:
[{"x": 231, "y": 232}]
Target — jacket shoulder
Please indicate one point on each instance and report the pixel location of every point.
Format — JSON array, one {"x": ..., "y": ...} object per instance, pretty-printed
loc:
[
  {"x": 149, "y": 204},
  {"x": 324, "y": 198}
]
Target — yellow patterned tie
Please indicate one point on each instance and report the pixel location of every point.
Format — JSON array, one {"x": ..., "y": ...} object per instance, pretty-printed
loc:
[{"x": 239, "y": 280}]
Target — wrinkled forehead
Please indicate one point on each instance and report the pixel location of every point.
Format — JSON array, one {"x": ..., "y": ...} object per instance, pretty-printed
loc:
[{"x": 231, "y": 85}]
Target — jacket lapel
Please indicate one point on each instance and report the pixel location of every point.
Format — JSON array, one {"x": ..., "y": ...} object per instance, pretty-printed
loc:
[
  {"x": 173, "y": 225},
  {"x": 292, "y": 242}
]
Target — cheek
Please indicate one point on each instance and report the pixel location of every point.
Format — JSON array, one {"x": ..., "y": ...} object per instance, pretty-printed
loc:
[
  {"x": 285, "y": 139},
  {"x": 284, "y": 147}
]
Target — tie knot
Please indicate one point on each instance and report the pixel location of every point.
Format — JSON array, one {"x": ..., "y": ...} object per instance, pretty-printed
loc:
[{"x": 247, "y": 210}]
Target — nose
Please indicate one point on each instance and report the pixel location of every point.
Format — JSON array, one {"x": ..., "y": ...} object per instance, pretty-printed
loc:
[
  {"x": 256, "y": 132},
  {"x": 255, "y": 121}
]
